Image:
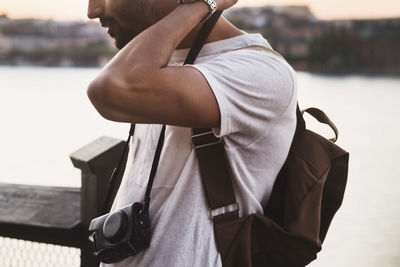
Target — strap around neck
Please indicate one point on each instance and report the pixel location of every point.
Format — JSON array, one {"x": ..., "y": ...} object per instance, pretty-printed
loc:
[
  {"x": 201, "y": 38},
  {"x": 193, "y": 53}
]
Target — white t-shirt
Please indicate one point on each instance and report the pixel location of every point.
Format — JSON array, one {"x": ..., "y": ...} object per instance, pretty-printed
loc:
[{"x": 256, "y": 93}]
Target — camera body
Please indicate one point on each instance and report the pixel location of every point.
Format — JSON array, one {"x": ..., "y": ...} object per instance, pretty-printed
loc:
[{"x": 122, "y": 233}]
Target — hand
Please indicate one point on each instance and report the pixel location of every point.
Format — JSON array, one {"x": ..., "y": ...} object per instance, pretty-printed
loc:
[
  {"x": 221, "y": 4},
  {"x": 225, "y": 4}
]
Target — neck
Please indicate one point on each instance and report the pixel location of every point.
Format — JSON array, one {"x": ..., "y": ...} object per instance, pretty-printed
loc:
[{"x": 222, "y": 30}]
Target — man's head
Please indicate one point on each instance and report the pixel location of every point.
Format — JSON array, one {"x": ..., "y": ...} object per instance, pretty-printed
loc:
[{"x": 127, "y": 18}]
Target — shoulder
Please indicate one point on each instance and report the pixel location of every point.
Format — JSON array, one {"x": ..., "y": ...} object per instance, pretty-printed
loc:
[
  {"x": 253, "y": 90},
  {"x": 262, "y": 73}
]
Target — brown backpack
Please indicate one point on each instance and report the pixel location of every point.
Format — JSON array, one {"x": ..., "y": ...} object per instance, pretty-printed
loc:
[{"x": 307, "y": 193}]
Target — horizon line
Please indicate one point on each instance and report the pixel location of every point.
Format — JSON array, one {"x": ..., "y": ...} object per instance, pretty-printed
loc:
[{"x": 328, "y": 18}]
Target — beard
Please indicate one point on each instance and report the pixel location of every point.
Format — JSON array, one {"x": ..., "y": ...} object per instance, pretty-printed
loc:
[
  {"x": 134, "y": 20},
  {"x": 123, "y": 38}
]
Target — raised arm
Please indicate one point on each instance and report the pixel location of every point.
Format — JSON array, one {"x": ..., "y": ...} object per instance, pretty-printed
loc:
[{"x": 138, "y": 86}]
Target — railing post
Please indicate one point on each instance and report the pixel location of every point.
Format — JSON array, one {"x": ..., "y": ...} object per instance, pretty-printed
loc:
[{"x": 96, "y": 161}]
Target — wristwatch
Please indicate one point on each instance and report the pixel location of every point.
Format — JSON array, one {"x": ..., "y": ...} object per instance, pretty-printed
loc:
[{"x": 211, "y": 4}]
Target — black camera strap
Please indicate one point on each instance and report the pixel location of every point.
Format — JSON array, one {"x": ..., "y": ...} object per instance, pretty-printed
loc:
[
  {"x": 190, "y": 59},
  {"x": 154, "y": 167},
  {"x": 115, "y": 174}
]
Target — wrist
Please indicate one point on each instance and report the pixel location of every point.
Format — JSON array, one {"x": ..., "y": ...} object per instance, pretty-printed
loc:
[{"x": 210, "y": 5}]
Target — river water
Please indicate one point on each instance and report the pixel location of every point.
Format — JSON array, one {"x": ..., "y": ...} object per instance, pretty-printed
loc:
[{"x": 45, "y": 116}]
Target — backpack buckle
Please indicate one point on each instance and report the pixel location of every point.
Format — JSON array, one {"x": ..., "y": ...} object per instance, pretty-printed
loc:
[
  {"x": 205, "y": 139},
  {"x": 223, "y": 210}
]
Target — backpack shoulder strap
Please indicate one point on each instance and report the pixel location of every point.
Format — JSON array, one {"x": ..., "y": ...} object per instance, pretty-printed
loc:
[{"x": 215, "y": 174}]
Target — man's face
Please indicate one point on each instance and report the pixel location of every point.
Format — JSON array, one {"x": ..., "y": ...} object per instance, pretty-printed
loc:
[{"x": 127, "y": 18}]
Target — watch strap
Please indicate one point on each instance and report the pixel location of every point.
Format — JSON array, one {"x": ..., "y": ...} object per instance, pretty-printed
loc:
[
  {"x": 211, "y": 5},
  {"x": 213, "y": 8}
]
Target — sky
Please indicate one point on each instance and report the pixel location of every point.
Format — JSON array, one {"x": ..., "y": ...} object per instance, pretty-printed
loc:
[{"x": 323, "y": 9}]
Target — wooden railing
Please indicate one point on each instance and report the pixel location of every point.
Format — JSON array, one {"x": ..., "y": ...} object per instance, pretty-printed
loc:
[{"x": 58, "y": 215}]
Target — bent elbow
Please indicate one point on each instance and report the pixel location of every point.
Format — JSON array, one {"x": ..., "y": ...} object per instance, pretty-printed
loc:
[
  {"x": 117, "y": 98},
  {"x": 96, "y": 91},
  {"x": 99, "y": 94}
]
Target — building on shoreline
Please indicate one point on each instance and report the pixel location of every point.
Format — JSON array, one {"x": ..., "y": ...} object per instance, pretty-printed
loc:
[
  {"x": 341, "y": 46},
  {"x": 52, "y": 43}
]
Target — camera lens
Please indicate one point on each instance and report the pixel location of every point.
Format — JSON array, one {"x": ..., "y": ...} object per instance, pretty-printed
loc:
[{"x": 114, "y": 226}]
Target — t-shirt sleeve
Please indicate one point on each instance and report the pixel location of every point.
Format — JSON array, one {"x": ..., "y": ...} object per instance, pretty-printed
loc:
[{"x": 252, "y": 88}]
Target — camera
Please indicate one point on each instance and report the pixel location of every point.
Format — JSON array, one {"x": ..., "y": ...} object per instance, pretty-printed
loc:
[{"x": 122, "y": 233}]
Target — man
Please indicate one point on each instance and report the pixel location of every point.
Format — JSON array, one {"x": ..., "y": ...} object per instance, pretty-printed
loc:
[{"x": 247, "y": 96}]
